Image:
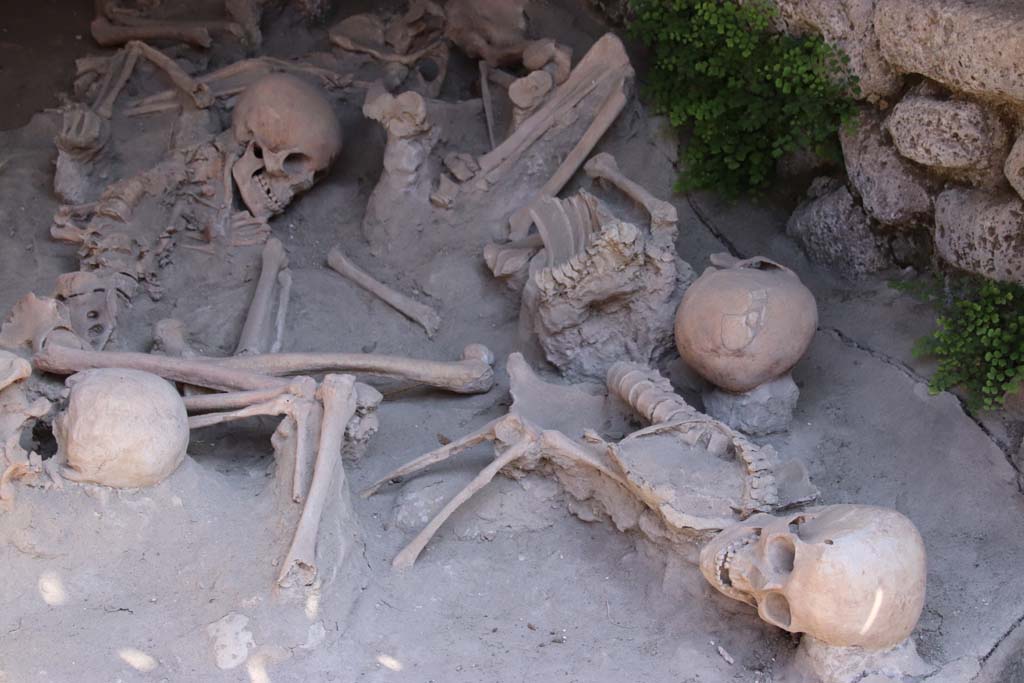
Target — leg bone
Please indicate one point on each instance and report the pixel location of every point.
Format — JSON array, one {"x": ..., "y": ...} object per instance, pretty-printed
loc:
[
  {"x": 604, "y": 167},
  {"x": 408, "y": 555},
  {"x": 63, "y": 360},
  {"x": 423, "y": 315},
  {"x": 337, "y": 393},
  {"x": 254, "y": 332},
  {"x": 284, "y": 281},
  {"x": 485, "y": 433},
  {"x": 112, "y": 35},
  {"x": 520, "y": 222},
  {"x": 471, "y": 375}
]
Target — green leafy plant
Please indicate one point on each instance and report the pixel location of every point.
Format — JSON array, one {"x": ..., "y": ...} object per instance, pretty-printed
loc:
[
  {"x": 978, "y": 340},
  {"x": 749, "y": 93}
]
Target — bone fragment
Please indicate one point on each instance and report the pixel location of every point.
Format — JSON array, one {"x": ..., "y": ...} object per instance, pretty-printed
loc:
[
  {"x": 471, "y": 375},
  {"x": 112, "y": 35},
  {"x": 284, "y": 281},
  {"x": 63, "y": 360},
  {"x": 408, "y": 555},
  {"x": 485, "y": 433},
  {"x": 419, "y": 313},
  {"x": 485, "y": 95},
  {"x": 255, "y": 331},
  {"x": 604, "y": 167},
  {"x": 337, "y": 393}
]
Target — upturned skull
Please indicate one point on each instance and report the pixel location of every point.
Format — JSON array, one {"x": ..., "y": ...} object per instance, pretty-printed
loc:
[
  {"x": 848, "y": 575},
  {"x": 291, "y": 136},
  {"x": 122, "y": 428}
]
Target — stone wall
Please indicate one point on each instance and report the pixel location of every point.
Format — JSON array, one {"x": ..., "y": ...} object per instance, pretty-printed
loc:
[{"x": 939, "y": 149}]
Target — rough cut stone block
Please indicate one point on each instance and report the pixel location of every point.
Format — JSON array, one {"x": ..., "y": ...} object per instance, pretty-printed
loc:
[
  {"x": 973, "y": 46},
  {"x": 1014, "y": 167},
  {"x": 849, "y": 26},
  {"x": 961, "y": 140},
  {"x": 836, "y": 232},
  {"x": 766, "y": 409},
  {"x": 981, "y": 233},
  {"x": 893, "y": 192}
]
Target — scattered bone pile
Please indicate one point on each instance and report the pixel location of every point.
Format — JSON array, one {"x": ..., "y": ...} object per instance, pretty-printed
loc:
[{"x": 603, "y": 299}]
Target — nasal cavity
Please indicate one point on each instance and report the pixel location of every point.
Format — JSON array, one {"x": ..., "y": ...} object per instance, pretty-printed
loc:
[{"x": 775, "y": 609}]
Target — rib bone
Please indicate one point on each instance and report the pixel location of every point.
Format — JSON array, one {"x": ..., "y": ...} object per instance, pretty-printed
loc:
[
  {"x": 337, "y": 393},
  {"x": 423, "y": 315},
  {"x": 253, "y": 339},
  {"x": 604, "y": 167}
]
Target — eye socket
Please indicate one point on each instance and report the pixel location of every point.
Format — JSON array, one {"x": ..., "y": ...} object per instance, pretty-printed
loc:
[
  {"x": 257, "y": 151},
  {"x": 296, "y": 162},
  {"x": 774, "y": 608},
  {"x": 781, "y": 555}
]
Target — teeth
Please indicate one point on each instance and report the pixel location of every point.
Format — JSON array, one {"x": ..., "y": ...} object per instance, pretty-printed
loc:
[
  {"x": 724, "y": 557},
  {"x": 275, "y": 205}
]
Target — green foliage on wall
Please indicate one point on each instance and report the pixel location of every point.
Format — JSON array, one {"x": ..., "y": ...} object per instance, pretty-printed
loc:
[
  {"x": 978, "y": 340},
  {"x": 750, "y": 94}
]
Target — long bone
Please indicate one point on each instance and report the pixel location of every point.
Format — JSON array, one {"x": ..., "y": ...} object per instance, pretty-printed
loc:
[
  {"x": 603, "y": 66},
  {"x": 122, "y": 66},
  {"x": 604, "y": 167},
  {"x": 108, "y": 34},
  {"x": 296, "y": 401},
  {"x": 471, "y": 375},
  {"x": 421, "y": 314},
  {"x": 63, "y": 360},
  {"x": 235, "y": 78},
  {"x": 337, "y": 394},
  {"x": 521, "y": 220},
  {"x": 254, "y": 335},
  {"x": 521, "y": 441},
  {"x": 284, "y": 281}
]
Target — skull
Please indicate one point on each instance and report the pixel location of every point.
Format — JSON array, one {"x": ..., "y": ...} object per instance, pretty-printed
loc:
[
  {"x": 121, "y": 428},
  {"x": 848, "y": 575},
  {"x": 292, "y": 137},
  {"x": 745, "y": 323}
]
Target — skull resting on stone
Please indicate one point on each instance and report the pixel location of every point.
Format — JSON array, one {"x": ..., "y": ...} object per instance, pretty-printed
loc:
[
  {"x": 847, "y": 575},
  {"x": 121, "y": 428},
  {"x": 744, "y": 323},
  {"x": 291, "y": 136}
]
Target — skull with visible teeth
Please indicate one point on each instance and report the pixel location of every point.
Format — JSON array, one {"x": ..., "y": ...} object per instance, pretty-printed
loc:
[
  {"x": 291, "y": 136},
  {"x": 847, "y": 575}
]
